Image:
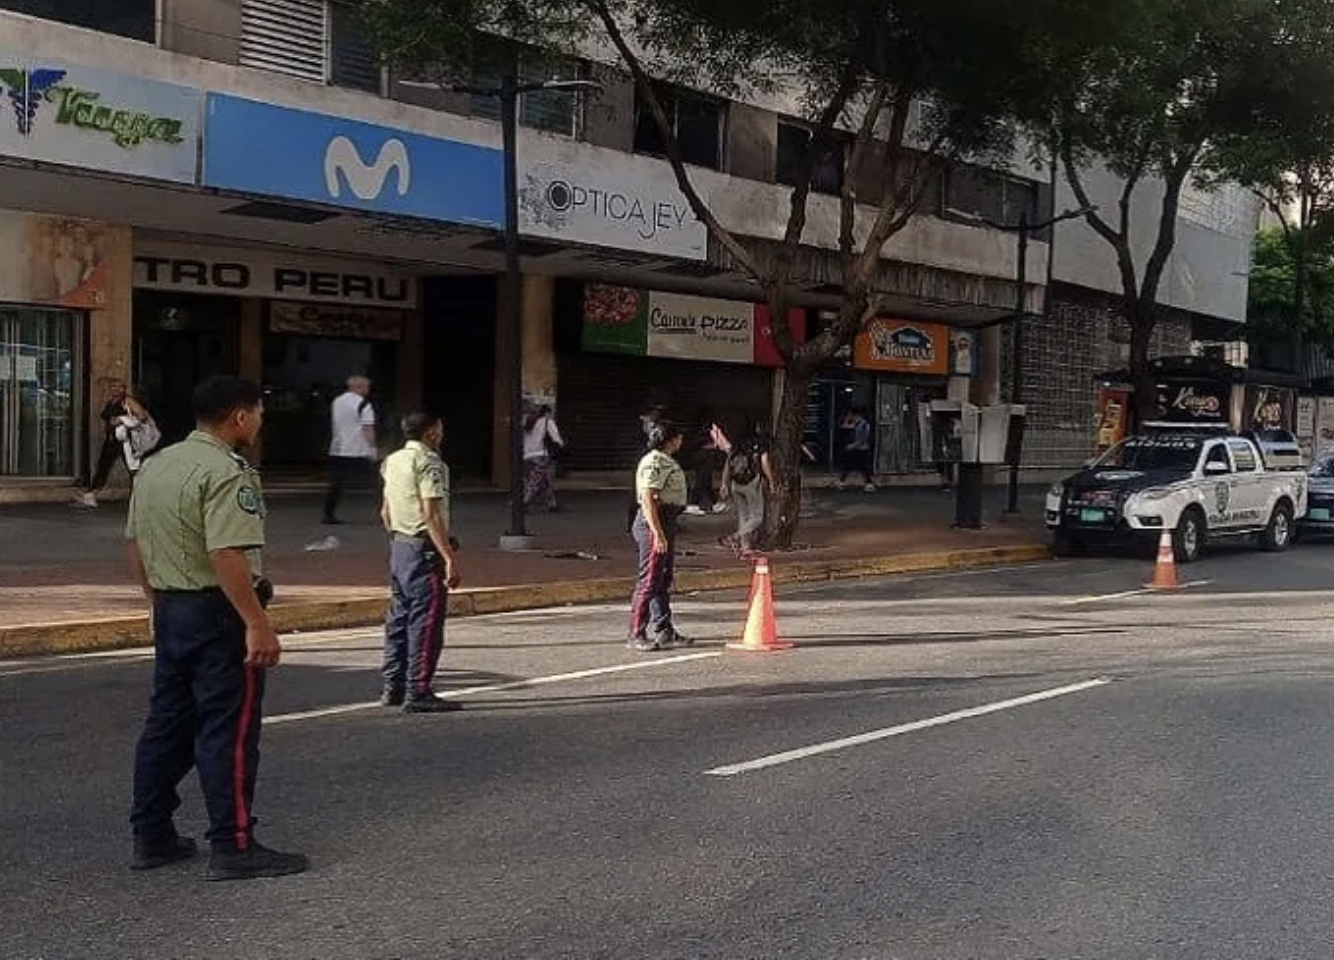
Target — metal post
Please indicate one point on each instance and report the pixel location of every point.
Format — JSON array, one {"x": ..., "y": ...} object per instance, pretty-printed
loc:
[
  {"x": 513, "y": 313},
  {"x": 1017, "y": 350}
]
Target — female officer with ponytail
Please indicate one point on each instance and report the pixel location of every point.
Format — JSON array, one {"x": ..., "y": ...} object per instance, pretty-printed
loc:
[{"x": 660, "y": 489}]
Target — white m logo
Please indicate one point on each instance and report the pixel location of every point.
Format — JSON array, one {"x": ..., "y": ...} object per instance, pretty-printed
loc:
[{"x": 343, "y": 162}]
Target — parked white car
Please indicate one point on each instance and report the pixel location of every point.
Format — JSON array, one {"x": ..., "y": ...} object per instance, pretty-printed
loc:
[{"x": 1200, "y": 486}]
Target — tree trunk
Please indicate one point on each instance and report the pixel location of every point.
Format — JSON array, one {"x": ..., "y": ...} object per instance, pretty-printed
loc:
[
  {"x": 783, "y": 506},
  {"x": 1142, "y": 321}
]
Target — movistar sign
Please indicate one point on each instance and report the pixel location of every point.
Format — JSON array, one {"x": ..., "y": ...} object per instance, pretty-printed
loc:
[
  {"x": 271, "y": 150},
  {"x": 343, "y": 164}
]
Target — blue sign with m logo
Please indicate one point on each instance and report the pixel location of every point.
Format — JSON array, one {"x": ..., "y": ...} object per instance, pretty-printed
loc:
[{"x": 266, "y": 149}]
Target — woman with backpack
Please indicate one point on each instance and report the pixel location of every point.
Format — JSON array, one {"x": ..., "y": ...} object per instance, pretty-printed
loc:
[
  {"x": 746, "y": 477},
  {"x": 542, "y": 442}
]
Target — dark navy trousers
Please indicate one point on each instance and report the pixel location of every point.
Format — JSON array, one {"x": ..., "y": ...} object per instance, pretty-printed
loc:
[
  {"x": 414, "y": 633},
  {"x": 651, "y": 604},
  {"x": 205, "y": 713}
]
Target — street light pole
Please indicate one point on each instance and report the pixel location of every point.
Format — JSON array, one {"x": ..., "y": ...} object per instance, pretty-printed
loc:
[
  {"x": 511, "y": 296},
  {"x": 1017, "y": 352},
  {"x": 1023, "y": 229},
  {"x": 512, "y": 312}
]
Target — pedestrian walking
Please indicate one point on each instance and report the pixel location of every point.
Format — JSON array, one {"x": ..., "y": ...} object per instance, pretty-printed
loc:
[
  {"x": 703, "y": 497},
  {"x": 113, "y": 408},
  {"x": 652, "y": 414},
  {"x": 857, "y": 452},
  {"x": 660, "y": 488},
  {"x": 352, "y": 446},
  {"x": 423, "y": 567},
  {"x": 542, "y": 443},
  {"x": 137, "y": 432},
  {"x": 746, "y": 477},
  {"x": 195, "y": 531}
]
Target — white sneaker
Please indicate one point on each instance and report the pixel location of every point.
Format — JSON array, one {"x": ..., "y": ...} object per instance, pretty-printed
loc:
[
  {"x": 695, "y": 510},
  {"x": 869, "y": 488},
  {"x": 720, "y": 507},
  {"x": 86, "y": 500}
]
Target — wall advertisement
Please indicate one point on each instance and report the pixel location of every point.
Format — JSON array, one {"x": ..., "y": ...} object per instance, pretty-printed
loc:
[
  {"x": 64, "y": 113},
  {"x": 650, "y": 323},
  {"x": 903, "y": 346}
]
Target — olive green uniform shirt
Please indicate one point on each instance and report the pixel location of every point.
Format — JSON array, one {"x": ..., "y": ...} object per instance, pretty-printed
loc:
[
  {"x": 411, "y": 476},
  {"x": 660, "y": 473},
  {"x": 192, "y": 498}
]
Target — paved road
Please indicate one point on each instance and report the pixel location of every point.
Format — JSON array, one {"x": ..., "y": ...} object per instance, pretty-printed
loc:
[{"x": 1180, "y": 809}]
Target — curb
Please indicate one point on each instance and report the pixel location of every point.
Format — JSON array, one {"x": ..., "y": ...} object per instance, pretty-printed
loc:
[{"x": 120, "y": 633}]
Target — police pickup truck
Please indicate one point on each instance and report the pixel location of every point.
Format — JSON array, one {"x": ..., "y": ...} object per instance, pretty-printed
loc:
[{"x": 1197, "y": 485}]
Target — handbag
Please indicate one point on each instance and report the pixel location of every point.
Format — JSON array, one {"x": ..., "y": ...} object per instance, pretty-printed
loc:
[{"x": 549, "y": 443}]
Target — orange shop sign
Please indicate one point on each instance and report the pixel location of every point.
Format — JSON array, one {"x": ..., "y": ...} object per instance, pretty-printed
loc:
[{"x": 903, "y": 346}]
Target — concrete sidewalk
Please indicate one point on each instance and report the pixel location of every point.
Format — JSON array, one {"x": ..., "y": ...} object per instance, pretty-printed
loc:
[{"x": 64, "y": 584}]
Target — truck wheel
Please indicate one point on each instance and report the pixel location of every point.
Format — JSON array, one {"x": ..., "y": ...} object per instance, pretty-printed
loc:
[
  {"x": 1189, "y": 537},
  {"x": 1064, "y": 545},
  {"x": 1278, "y": 535}
]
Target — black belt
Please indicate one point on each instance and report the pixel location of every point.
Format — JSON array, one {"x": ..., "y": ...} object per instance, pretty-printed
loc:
[{"x": 263, "y": 590}]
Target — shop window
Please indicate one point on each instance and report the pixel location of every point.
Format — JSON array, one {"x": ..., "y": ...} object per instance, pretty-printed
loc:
[
  {"x": 551, "y": 111},
  {"x": 697, "y": 122},
  {"x": 135, "y": 19},
  {"x": 828, "y": 168},
  {"x": 41, "y": 370}
]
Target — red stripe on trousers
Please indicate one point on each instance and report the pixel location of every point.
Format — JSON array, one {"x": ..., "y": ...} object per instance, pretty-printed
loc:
[
  {"x": 639, "y": 613},
  {"x": 238, "y": 761},
  {"x": 427, "y": 644}
]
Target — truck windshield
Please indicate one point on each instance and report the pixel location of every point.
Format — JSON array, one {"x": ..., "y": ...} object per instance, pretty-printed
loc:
[{"x": 1152, "y": 453}]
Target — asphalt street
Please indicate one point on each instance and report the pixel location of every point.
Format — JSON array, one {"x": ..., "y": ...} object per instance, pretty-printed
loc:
[{"x": 1038, "y": 762}]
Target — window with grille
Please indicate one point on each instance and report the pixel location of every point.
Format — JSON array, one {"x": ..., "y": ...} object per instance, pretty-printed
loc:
[
  {"x": 286, "y": 36},
  {"x": 827, "y": 169},
  {"x": 551, "y": 111},
  {"x": 352, "y": 62},
  {"x": 135, "y": 19},
  {"x": 697, "y": 122}
]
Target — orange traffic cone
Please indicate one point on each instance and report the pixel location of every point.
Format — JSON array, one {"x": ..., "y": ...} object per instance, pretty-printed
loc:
[
  {"x": 1165, "y": 569},
  {"x": 761, "y": 627}
]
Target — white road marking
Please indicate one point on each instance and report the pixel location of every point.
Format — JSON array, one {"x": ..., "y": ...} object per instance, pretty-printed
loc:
[
  {"x": 1141, "y": 592},
  {"x": 773, "y": 760},
  {"x": 500, "y": 687}
]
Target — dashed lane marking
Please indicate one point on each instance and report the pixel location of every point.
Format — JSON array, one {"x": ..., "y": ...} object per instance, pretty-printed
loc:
[{"x": 829, "y": 746}]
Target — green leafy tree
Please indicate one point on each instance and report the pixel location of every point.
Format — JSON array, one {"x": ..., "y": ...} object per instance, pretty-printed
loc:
[
  {"x": 1279, "y": 306},
  {"x": 915, "y": 83},
  {"x": 1172, "y": 99}
]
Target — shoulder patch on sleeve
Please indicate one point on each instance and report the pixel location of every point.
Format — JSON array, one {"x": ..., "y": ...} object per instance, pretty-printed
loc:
[{"x": 247, "y": 498}]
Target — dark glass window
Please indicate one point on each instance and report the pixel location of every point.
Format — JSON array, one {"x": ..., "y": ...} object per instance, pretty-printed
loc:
[
  {"x": 697, "y": 122},
  {"x": 985, "y": 194},
  {"x": 135, "y": 19},
  {"x": 551, "y": 111},
  {"x": 827, "y": 171},
  {"x": 352, "y": 61}
]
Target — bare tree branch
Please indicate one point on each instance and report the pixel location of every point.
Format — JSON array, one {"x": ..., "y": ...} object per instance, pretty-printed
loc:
[{"x": 646, "y": 88}]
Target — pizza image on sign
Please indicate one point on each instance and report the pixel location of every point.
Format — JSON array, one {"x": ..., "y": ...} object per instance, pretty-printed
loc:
[{"x": 904, "y": 347}]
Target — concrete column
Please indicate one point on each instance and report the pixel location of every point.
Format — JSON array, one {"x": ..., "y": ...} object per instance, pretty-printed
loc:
[
  {"x": 539, "y": 365},
  {"x": 111, "y": 340},
  {"x": 985, "y": 388},
  {"x": 250, "y": 359},
  {"x": 410, "y": 368}
]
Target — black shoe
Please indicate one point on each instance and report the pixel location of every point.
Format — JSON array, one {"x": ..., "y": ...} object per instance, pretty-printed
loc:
[
  {"x": 151, "y": 854},
  {"x": 431, "y": 704},
  {"x": 392, "y": 696},
  {"x": 680, "y": 639},
  {"x": 643, "y": 644},
  {"x": 254, "y": 862},
  {"x": 332, "y": 522}
]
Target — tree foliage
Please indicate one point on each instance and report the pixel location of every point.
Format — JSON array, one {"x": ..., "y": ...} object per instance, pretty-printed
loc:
[
  {"x": 1276, "y": 310},
  {"x": 1192, "y": 89},
  {"x": 914, "y": 84}
]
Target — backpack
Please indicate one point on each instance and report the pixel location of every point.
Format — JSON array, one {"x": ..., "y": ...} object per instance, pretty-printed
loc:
[
  {"x": 144, "y": 438},
  {"x": 743, "y": 466}
]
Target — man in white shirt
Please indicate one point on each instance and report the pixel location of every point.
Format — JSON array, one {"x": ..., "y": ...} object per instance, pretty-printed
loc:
[{"x": 352, "y": 450}]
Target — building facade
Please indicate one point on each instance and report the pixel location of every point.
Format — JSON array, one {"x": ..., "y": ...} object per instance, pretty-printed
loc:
[{"x": 198, "y": 186}]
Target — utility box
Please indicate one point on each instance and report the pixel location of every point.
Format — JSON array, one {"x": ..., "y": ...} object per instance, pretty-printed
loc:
[{"x": 1002, "y": 433}]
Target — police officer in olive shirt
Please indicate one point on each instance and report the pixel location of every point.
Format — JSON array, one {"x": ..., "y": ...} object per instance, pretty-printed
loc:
[
  {"x": 422, "y": 566},
  {"x": 660, "y": 490},
  {"x": 195, "y": 529}
]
